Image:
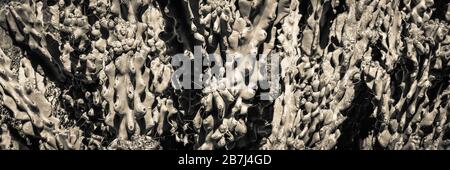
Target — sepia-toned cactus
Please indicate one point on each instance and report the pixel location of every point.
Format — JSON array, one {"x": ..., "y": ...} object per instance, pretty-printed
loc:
[{"x": 224, "y": 74}]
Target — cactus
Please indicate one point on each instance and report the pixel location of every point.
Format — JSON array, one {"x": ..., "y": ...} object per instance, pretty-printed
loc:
[{"x": 224, "y": 74}]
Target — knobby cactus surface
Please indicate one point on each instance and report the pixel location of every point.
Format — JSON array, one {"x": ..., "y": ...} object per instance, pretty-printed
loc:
[{"x": 225, "y": 74}]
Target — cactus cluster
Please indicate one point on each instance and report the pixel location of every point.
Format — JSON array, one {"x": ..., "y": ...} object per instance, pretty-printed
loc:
[{"x": 266, "y": 74}]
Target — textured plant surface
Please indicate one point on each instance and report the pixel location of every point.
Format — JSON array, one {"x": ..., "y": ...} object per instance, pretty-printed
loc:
[{"x": 97, "y": 74}]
